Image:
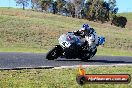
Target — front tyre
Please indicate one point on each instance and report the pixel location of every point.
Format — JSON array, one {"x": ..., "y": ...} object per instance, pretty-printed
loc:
[{"x": 53, "y": 54}]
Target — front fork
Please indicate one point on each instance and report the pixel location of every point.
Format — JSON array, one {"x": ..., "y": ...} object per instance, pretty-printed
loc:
[{"x": 59, "y": 49}]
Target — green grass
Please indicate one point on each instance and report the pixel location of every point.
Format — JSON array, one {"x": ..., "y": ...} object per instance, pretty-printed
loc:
[
  {"x": 127, "y": 15},
  {"x": 28, "y": 31},
  {"x": 56, "y": 78},
  {"x": 24, "y": 50},
  {"x": 113, "y": 52}
]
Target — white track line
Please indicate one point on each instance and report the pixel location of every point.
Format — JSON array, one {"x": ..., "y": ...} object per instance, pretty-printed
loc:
[
  {"x": 63, "y": 67},
  {"x": 85, "y": 66}
]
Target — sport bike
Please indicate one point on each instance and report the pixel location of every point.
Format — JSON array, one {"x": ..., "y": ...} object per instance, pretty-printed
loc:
[{"x": 71, "y": 47}]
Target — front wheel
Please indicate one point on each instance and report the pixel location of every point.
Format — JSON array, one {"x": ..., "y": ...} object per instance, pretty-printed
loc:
[{"x": 53, "y": 54}]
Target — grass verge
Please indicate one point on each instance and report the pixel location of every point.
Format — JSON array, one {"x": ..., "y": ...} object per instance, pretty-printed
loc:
[
  {"x": 101, "y": 51},
  {"x": 58, "y": 78},
  {"x": 113, "y": 52},
  {"x": 23, "y": 50}
]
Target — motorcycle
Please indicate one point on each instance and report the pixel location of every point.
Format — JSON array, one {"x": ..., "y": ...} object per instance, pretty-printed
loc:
[{"x": 72, "y": 47}]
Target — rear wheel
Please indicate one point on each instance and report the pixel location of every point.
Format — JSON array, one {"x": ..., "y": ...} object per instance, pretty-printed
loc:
[
  {"x": 88, "y": 55},
  {"x": 53, "y": 54},
  {"x": 93, "y": 53}
]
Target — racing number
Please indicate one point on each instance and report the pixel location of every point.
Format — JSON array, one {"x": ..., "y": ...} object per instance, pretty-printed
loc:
[{"x": 65, "y": 44}]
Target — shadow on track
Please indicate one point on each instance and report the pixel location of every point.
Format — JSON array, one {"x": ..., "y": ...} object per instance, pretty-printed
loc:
[{"x": 96, "y": 61}]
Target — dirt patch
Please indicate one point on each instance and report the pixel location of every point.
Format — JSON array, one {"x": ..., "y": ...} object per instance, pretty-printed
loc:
[{"x": 129, "y": 25}]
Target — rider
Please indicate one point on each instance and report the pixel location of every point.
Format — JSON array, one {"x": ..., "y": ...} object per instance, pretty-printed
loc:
[
  {"x": 87, "y": 40},
  {"x": 87, "y": 35}
]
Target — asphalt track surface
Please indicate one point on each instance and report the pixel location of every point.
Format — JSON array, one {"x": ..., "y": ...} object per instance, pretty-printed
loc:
[{"x": 31, "y": 60}]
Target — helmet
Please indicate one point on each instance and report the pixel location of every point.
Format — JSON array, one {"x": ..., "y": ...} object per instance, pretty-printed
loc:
[
  {"x": 85, "y": 26},
  {"x": 85, "y": 29}
]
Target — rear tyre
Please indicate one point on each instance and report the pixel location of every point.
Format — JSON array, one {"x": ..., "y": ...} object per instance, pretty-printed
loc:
[
  {"x": 93, "y": 53},
  {"x": 89, "y": 55},
  {"x": 53, "y": 54}
]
